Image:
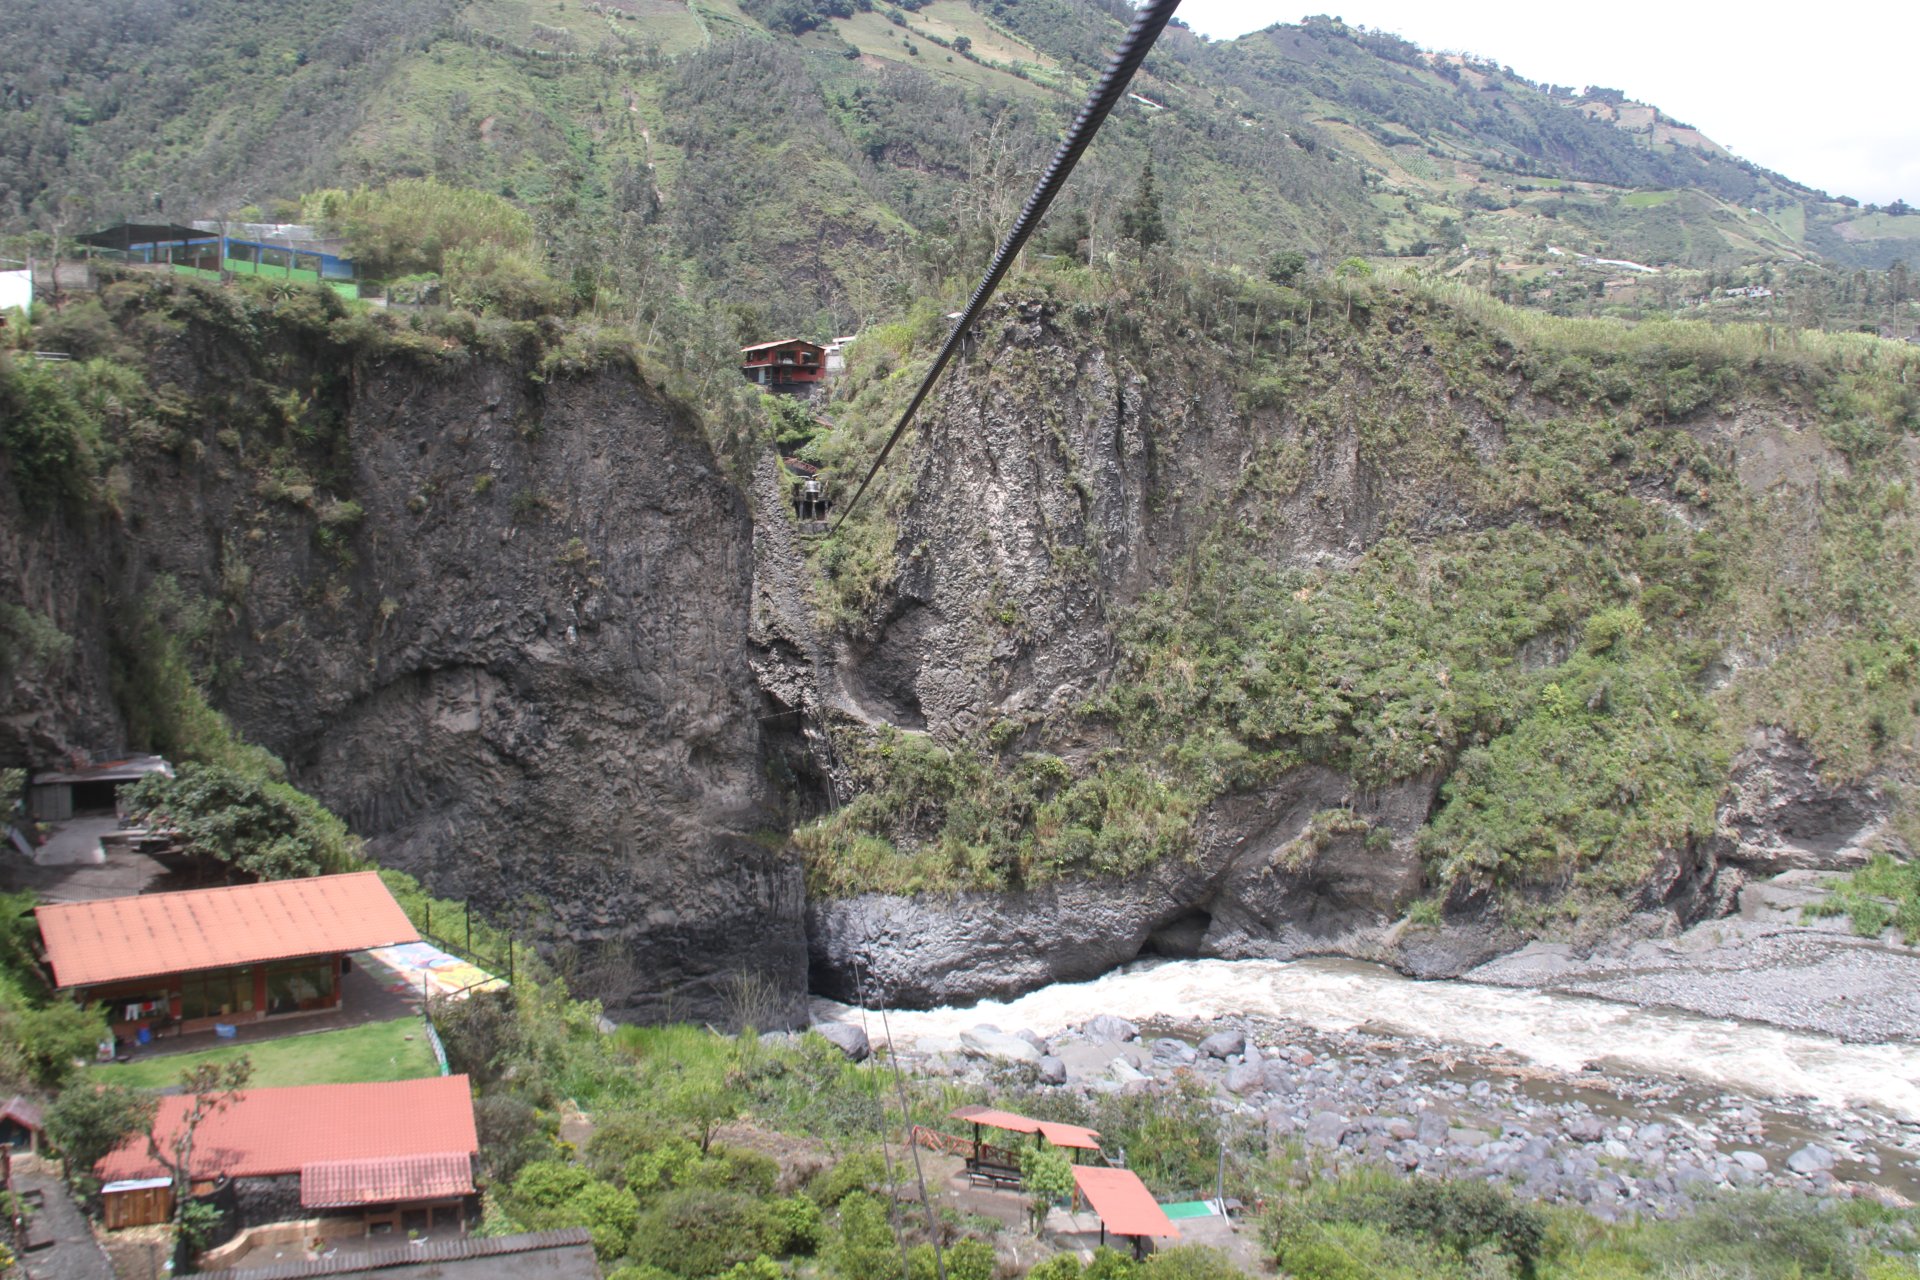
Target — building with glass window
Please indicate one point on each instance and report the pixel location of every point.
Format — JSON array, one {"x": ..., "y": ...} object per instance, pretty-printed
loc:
[
  {"x": 272, "y": 250},
  {"x": 183, "y": 962}
]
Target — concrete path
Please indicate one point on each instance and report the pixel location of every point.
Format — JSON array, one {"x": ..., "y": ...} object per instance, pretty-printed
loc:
[{"x": 74, "y": 1254}]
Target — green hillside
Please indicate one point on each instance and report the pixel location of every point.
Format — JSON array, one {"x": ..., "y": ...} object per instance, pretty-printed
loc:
[{"x": 814, "y": 163}]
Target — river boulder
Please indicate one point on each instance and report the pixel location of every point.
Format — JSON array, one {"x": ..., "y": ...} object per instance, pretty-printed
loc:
[
  {"x": 998, "y": 1046},
  {"x": 850, "y": 1039},
  {"x": 1224, "y": 1044}
]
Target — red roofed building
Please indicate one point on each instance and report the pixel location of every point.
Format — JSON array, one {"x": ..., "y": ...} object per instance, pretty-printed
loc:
[
  {"x": 382, "y": 1150},
  {"x": 790, "y": 364},
  {"x": 204, "y": 956}
]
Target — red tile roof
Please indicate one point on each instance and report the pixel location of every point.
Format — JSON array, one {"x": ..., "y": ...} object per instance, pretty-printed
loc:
[
  {"x": 1060, "y": 1135},
  {"x": 116, "y": 939},
  {"x": 1123, "y": 1203},
  {"x": 265, "y": 1132},
  {"x": 341, "y": 1184}
]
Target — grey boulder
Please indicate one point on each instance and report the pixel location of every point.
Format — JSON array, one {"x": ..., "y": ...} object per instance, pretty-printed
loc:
[
  {"x": 1224, "y": 1044},
  {"x": 998, "y": 1046},
  {"x": 851, "y": 1040},
  {"x": 1108, "y": 1027}
]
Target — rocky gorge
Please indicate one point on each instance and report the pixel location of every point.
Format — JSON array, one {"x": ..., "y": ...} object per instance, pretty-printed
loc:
[{"x": 504, "y": 606}]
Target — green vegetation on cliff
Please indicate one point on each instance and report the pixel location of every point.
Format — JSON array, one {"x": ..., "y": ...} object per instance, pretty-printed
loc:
[{"x": 1591, "y": 579}]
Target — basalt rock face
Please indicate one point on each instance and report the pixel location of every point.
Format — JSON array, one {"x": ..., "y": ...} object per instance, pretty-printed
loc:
[
  {"x": 521, "y": 671},
  {"x": 1780, "y": 815},
  {"x": 1057, "y": 481},
  {"x": 1033, "y": 529},
  {"x": 1262, "y": 885}
]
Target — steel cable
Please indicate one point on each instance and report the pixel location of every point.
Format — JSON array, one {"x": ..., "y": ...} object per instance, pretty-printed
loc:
[{"x": 1148, "y": 23}]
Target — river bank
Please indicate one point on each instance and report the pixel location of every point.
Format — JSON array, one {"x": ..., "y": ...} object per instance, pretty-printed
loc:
[{"x": 1620, "y": 1109}]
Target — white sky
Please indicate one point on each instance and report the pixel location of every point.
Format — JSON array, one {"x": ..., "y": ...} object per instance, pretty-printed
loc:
[{"x": 1828, "y": 97}]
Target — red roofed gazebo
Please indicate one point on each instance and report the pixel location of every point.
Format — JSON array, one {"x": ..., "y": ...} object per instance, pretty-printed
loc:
[
  {"x": 204, "y": 956},
  {"x": 1124, "y": 1205}
]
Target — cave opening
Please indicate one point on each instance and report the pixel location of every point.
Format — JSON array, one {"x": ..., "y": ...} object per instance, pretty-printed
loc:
[{"x": 1180, "y": 937}]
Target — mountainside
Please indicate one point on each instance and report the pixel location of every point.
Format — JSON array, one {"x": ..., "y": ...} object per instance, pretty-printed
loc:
[{"x": 809, "y": 168}]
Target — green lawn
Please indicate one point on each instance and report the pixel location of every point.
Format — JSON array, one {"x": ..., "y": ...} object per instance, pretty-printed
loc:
[{"x": 396, "y": 1050}]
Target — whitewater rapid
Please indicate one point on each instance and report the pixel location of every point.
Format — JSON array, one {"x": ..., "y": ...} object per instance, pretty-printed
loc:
[{"x": 1556, "y": 1032}]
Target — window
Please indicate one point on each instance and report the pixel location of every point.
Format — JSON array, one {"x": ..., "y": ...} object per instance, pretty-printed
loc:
[
  {"x": 304, "y": 984},
  {"x": 216, "y": 995}
]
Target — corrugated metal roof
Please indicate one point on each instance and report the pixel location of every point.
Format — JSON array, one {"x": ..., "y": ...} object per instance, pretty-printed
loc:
[
  {"x": 1125, "y": 1206},
  {"x": 433, "y": 1251},
  {"x": 340, "y": 1184},
  {"x": 130, "y": 769},
  {"x": 780, "y": 342},
  {"x": 265, "y": 1132},
  {"x": 116, "y": 939},
  {"x": 1060, "y": 1135}
]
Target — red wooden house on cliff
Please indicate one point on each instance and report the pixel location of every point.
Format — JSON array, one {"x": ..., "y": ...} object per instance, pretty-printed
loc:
[{"x": 791, "y": 364}]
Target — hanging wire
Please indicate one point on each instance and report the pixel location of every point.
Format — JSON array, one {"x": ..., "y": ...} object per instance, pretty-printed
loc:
[{"x": 1148, "y": 23}]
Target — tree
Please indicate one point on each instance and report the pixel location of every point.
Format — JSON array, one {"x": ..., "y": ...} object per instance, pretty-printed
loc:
[
  {"x": 1285, "y": 267},
  {"x": 267, "y": 829},
  {"x": 705, "y": 1104},
  {"x": 44, "y": 1043},
  {"x": 210, "y": 1088},
  {"x": 1140, "y": 221},
  {"x": 85, "y": 1123},
  {"x": 1048, "y": 1177}
]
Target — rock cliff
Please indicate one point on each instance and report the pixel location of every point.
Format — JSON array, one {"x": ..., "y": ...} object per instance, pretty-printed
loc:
[
  {"x": 1353, "y": 628},
  {"x": 1065, "y": 475},
  {"x": 516, "y": 663}
]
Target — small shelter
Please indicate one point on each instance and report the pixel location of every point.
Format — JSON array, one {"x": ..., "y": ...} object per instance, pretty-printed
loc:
[
  {"x": 1124, "y": 1206},
  {"x": 59, "y": 794},
  {"x": 21, "y": 1124},
  {"x": 385, "y": 1151},
  {"x": 991, "y": 1164},
  {"x": 199, "y": 957},
  {"x": 788, "y": 364}
]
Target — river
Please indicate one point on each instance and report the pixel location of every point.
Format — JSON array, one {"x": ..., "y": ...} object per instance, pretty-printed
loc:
[{"x": 1556, "y": 1032}]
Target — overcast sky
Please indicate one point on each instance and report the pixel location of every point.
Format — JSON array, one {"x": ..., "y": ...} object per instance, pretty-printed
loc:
[{"x": 1828, "y": 97}]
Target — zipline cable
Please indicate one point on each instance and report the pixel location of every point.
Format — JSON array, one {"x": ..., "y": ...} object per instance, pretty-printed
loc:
[{"x": 1148, "y": 23}]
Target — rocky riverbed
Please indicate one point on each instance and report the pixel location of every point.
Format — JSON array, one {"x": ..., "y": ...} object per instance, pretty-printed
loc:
[
  {"x": 1615, "y": 1143},
  {"x": 1765, "y": 1049}
]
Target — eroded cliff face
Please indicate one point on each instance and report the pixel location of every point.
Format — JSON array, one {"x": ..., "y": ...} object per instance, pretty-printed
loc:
[
  {"x": 1058, "y": 480},
  {"x": 519, "y": 670},
  {"x": 503, "y": 612}
]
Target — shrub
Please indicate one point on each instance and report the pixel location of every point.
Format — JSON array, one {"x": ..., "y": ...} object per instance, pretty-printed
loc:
[
  {"x": 696, "y": 1233},
  {"x": 1061, "y": 1266},
  {"x": 794, "y": 1225},
  {"x": 1398, "y": 1226},
  {"x": 45, "y": 1043},
  {"x": 862, "y": 1245},
  {"x": 52, "y": 443},
  {"x": 85, "y": 1124},
  {"x": 267, "y": 829},
  {"x": 862, "y": 1172},
  {"x": 1190, "y": 1262}
]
